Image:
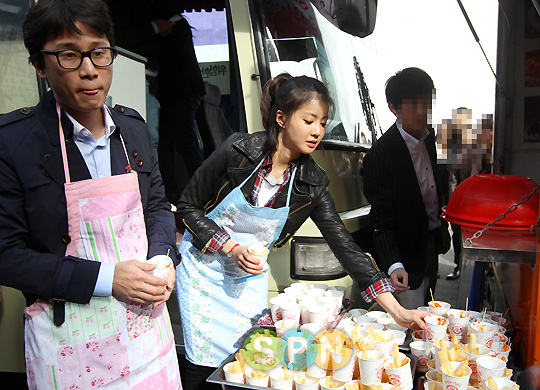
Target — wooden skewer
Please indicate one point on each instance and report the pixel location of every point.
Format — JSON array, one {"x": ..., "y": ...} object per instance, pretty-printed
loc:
[
  {"x": 483, "y": 314},
  {"x": 431, "y": 292},
  {"x": 495, "y": 307},
  {"x": 168, "y": 251},
  {"x": 467, "y": 304},
  {"x": 505, "y": 313}
]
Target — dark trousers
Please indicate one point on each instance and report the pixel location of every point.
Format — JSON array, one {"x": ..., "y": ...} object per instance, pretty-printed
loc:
[
  {"x": 194, "y": 377},
  {"x": 456, "y": 243}
]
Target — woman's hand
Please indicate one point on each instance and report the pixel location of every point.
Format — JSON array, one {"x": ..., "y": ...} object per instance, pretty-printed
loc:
[
  {"x": 246, "y": 261},
  {"x": 412, "y": 319}
]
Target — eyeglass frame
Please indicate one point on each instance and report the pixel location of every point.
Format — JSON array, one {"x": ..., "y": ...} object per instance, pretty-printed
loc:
[{"x": 84, "y": 53}]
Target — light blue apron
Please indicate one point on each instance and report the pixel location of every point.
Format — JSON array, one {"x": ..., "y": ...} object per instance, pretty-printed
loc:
[{"x": 218, "y": 301}]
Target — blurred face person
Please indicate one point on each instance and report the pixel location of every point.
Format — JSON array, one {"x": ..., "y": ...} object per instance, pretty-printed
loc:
[
  {"x": 413, "y": 114},
  {"x": 81, "y": 92}
]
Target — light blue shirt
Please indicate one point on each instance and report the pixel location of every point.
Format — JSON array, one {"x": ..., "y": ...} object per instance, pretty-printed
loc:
[{"x": 97, "y": 155}]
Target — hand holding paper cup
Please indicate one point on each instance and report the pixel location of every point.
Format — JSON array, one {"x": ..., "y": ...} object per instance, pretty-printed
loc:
[
  {"x": 436, "y": 328},
  {"x": 260, "y": 252},
  {"x": 163, "y": 266}
]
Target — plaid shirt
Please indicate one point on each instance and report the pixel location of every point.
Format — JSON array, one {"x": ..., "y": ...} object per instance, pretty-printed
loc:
[
  {"x": 377, "y": 288},
  {"x": 221, "y": 236}
]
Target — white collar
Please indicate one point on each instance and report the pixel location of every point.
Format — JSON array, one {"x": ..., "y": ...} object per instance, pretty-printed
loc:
[
  {"x": 409, "y": 139},
  {"x": 77, "y": 127}
]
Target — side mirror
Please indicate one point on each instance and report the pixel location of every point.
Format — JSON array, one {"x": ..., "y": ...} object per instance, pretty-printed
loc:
[{"x": 356, "y": 17}]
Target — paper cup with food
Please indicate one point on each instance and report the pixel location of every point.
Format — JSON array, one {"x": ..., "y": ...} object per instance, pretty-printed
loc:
[
  {"x": 331, "y": 383},
  {"x": 500, "y": 384},
  {"x": 282, "y": 378},
  {"x": 257, "y": 377},
  {"x": 371, "y": 366},
  {"x": 319, "y": 356},
  {"x": 484, "y": 332},
  {"x": 385, "y": 340},
  {"x": 260, "y": 252},
  {"x": 433, "y": 386},
  {"x": 234, "y": 372},
  {"x": 282, "y": 326},
  {"x": 434, "y": 376},
  {"x": 431, "y": 366},
  {"x": 473, "y": 352},
  {"x": 458, "y": 321},
  {"x": 500, "y": 351},
  {"x": 400, "y": 336},
  {"x": 345, "y": 323},
  {"x": 439, "y": 308},
  {"x": 455, "y": 375},
  {"x": 305, "y": 382},
  {"x": 437, "y": 326},
  {"x": 398, "y": 370},
  {"x": 422, "y": 350},
  {"x": 164, "y": 265},
  {"x": 489, "y": 366}
]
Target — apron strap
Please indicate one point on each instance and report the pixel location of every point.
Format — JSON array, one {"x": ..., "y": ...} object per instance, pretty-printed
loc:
[
  {"x": 255, "y": 170},
  {"x": 63, "y": 144},
  {"x": 291, "y": 180}
]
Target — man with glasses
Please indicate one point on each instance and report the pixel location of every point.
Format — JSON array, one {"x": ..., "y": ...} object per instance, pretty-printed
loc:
[{"x": 82, "y": 208}]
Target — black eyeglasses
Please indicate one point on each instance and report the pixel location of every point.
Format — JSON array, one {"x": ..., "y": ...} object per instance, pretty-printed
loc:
[{"x": 73, "y": 58}]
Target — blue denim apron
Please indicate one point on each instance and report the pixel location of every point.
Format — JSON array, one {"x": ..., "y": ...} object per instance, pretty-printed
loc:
[{"x": 218, "y": 301}]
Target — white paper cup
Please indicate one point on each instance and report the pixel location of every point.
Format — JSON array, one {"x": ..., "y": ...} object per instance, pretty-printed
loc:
[
  {"x": 319, "y": 286},
  {"x": 418, "y": 335},
  {"x": 371, "y": 368},
  {"x": 292, "y": 293},
  {"x": 291, "y": 311},
  {"x": 489, "y": 366},
  {"x": 386, "y": 347},
  {"x": 394, "y": 326},
  {"x": 439, "y": 308},
  {"x": 484, "y": 332},
  {"x": 458, "y": 321},
  {"x": 357, "y": 312},
  {"x": 338, "y": 288},
  {"x": 422, "y": 350},
  {"x": 400, "y": 336},
  {"x": 343, "y": 364},
  {"x": 313, "y": 329},
  {"x": 456, "y": 382},
  {"x": 304, "y": 310},
  {"x": 363, "y": 319},
  {"x": 482, "y": 351},
  {"x": 501, "y": 383},
  {"x": 500, "y": 351},
  {"x": 434, "y": 376},
  {"x": 275, "y": 308},
  {"x": 314, "y": 292},
  {"x": 385, "y": 321},
  {"x": 300, "y": 286},
  {"x": 319, "y": 315},
  {"x": 332, "y": 302},
  {"x": 436, "y": 331},
  {"x": 260, "y": 252},
  {"x": 328, "y": 383},
  {"x": 375, "y": 314},
  {"x": 232, "y": 377},
  {"x": 433, "y": 386},
  {"x": 351, "y": 384},
  {"x": 164, "y": 264},
  {"x": 400, "y": 376},
  {"x": 431, "y": 365},
  {"x": 263, "y": 382},
  {"x": 276, "y": 383},
  {"x": 282, "y": 326},
  {"x": 374, "y": 325},
  {"x": 310, "y": 382}
]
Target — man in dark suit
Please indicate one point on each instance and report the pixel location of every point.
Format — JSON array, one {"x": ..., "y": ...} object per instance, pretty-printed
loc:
[{"x": 401, "y": 184}]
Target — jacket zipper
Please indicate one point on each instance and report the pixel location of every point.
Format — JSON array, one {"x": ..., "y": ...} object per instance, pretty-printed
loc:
[
  {"x": 190, "y": 230},
  {"x": 299, "y": 208}
]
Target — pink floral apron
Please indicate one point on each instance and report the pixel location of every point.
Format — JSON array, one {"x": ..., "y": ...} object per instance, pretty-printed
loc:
[{"x": 106, "y": 343}]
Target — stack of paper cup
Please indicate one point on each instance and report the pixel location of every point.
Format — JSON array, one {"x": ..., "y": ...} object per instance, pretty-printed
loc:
[
  {"x": 436, "y": 328},
  {"x": 456, "y": 382},
  {"x": 400, "y": 376},
  {"x": 484, "y": 332},
  {"x": 304, "y": 309},
  {"x": 422, "y": 350},
  {"x": 230, "y": 376},
  {"x": 489, "y": 366},
  {"x": 458, "y": 323},
  {"x": 275, "y": 308},
  {"x": 371, "y": 366}
]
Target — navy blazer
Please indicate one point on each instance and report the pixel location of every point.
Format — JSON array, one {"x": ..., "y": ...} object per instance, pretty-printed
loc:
[
  {"x": 33, "y": 216},
  {"x": 398, "y": 215}
]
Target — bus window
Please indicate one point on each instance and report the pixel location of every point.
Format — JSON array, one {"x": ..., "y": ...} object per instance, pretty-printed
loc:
[
  {"x": 300, "y": 41},
  {"x": 18, "y": 83}
]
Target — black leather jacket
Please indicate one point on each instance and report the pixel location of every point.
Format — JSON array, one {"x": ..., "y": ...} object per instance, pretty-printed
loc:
[{"x": 229, "y": 165}]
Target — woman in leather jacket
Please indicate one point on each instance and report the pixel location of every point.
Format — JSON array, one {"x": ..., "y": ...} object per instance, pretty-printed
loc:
[{"x": 263, "y": 168}]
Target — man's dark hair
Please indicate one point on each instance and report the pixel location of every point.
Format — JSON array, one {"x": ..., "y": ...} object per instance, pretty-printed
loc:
[
  {"x": 49, "y": 19},
  {"x": 407, "y": 84}
]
